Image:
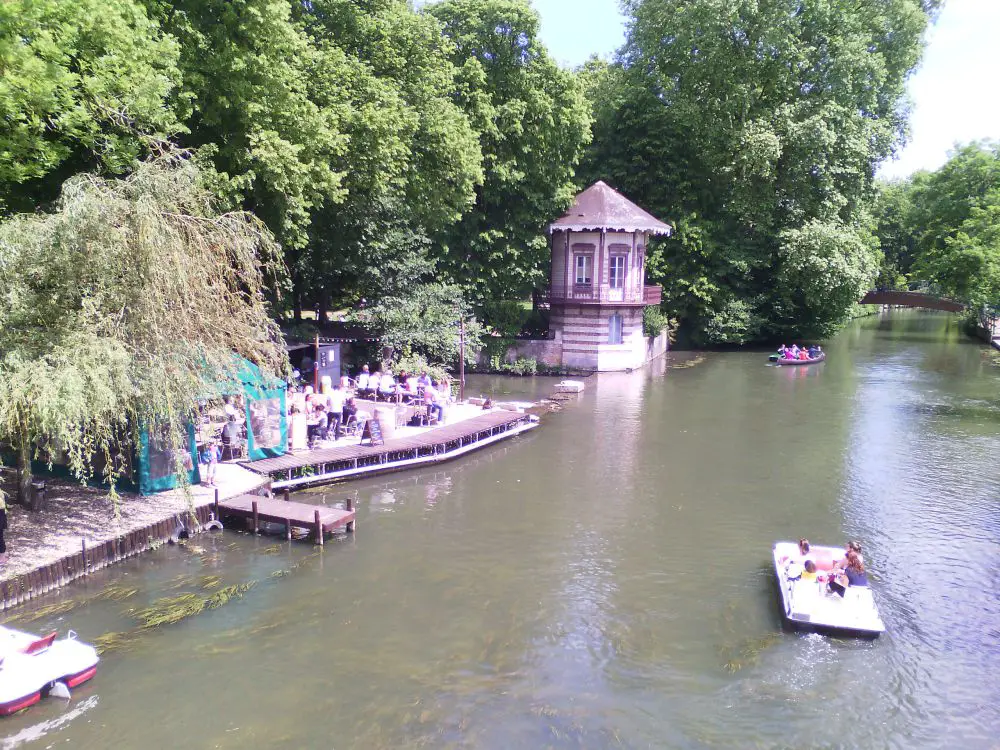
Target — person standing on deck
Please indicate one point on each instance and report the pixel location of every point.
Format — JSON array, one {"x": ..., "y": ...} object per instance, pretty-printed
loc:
[
  {"x": 210, "y": 455},
  {"x": 334, "y": 410}
]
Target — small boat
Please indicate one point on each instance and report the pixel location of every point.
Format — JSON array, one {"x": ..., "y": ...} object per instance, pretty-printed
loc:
[
  {"x": 807, "y": 605},
  {"x": 33, "y": 666},
  {"x": 785, "y": 362},
  {"x": 569, "y": 386}
]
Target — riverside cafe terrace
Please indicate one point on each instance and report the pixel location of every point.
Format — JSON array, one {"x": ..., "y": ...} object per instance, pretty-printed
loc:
[{"x": 152, "y": 468}]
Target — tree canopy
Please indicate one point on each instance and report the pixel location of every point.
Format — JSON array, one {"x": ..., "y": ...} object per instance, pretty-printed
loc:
[
  {"x": 123, "y": 307},
  {"x": 943, "y": 227},
  {"x": 757, "y": 126},
  {"x": 533, "y": 123},
  {"x": 83, "y": 81}
]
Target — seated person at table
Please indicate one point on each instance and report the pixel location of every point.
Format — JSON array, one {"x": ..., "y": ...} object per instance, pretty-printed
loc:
[
  {"x": 231, "y": 432},
  {"x": 411, "y": 390},
  {"x": 433, "y": 404},
  {"x": 361, "y": 382},
  {"x": 424, "y": 380},
  {"x": 387, "y": 387},
  {"x": 315, "y": 422},
  {"x": 373, "y": 384},
  {"x": 350, "y": 410}
]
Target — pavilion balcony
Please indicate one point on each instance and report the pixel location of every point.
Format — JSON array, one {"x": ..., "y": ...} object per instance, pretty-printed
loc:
[{"x": 652, "y": 295}]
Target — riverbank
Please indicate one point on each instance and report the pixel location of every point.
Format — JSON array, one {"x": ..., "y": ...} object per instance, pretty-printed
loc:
[{"x": 80, "y": 529}]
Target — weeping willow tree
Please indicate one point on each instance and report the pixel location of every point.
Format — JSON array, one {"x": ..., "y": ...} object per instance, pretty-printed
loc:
[{"x": 121, "y": 309}]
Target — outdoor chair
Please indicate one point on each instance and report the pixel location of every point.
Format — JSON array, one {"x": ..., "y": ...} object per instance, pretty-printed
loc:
[{"x": 231, "y": 450}]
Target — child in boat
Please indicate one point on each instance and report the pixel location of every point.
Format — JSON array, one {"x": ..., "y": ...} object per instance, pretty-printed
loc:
[
  {"x": 809, "y": 574},
  {"x": 803, "y": 355}
]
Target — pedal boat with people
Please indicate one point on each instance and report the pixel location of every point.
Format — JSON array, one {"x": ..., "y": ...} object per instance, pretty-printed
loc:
[
  {"x": 808, "y": 605},
  {"x": 33, "y": 666},
  {"x": 779, "y": 360}
]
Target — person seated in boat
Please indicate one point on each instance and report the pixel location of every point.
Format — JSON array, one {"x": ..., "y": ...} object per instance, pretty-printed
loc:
[
  {"x": 788, "y": 354},
  {"x": 809, "y": 571},
  {"x": 812, "y": 351},
  {"x": 854, "y": 575},
  {"x": 852, "y": 546}
]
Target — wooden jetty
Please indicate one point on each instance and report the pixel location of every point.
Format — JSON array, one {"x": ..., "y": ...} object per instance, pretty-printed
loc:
[
  {"x": 320, "y": 519},
  {"x": 329, "y": 465}
]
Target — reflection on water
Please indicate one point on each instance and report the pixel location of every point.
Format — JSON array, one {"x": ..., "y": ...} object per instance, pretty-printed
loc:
[{"x": 601, "y": 581}]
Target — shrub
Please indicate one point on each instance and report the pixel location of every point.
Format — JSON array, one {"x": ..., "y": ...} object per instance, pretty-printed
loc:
[
  {"x": 653, "y": 321},
  {"x": 415, "y": 363},
  {"x": 525, "y": 366},
  {"x": 506, "y": 317}
]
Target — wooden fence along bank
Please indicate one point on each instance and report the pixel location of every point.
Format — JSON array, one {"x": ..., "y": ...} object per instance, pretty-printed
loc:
[{"x": 91, "y": 558}]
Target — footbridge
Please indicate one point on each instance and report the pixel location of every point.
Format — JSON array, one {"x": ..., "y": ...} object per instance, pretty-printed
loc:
[{"x": 911, "y": 299}]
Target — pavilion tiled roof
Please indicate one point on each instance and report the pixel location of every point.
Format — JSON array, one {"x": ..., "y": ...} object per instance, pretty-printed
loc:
[{"x": 600, "y": 207}]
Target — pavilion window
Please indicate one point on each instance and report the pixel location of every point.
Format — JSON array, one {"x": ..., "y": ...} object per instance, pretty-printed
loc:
[
  {"x": 584, "y": 267},
  {"x": 616, "y": 272}
]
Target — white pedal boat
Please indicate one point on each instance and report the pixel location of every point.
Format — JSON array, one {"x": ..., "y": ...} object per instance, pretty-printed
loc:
[
  {"x": 569, "y": 386},
  {"x": 806, "y": 605},
  {"x": 31, "y": 667}
]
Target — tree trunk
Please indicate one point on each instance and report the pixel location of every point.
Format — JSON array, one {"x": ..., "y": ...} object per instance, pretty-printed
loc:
[
  {"x": 296, "y": 301},
  {"x": 324, "y": 306},
  {"x": 24, "y": 471}
]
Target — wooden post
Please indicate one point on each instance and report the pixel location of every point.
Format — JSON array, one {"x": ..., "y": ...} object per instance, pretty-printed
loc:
[
  {"x": 461, "y": 360},
  {"x": 319, "y": 527},
  {"x": 316, "y": 365},
  {"x": 255, "y": 516},
  {"x": 288, "y": 529},
  {"x": 83, "y": 545},
  {"x": 349, "y": 505},
  {"x": 287, "y": 495}
]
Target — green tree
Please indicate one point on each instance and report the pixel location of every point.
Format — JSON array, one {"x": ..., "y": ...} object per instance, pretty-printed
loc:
[
  {"x": 122, "y": 309},
  {"x": 247, "y": 71},
  {"x": 894, "y": 229},
  {"x": 955, "y": 217},
  {"x": 533, "y": 124},
  {"x": 83, "y": 81},
  {"x": 757, "y": 122},
  {"x": 411, "y": 160}
]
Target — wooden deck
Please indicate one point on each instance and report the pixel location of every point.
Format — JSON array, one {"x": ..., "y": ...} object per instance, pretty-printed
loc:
[
  {"x": 320, "y": 519},
  {"x": 437, "y": 444}
]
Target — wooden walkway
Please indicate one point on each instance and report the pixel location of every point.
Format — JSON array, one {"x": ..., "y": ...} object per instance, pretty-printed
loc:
[
  {"x": 437, "y": 444},
  {"x": 320, "y": 519}
]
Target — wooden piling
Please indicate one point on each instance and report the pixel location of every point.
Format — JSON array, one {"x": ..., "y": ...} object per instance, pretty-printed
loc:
[
  {"x": 349, "y": 505},
  {"x": 256, "y": 517},
  {"x": 319, "y": 528}
]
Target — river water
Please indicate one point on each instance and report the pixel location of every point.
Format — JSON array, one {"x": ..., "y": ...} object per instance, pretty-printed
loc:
[{"x": 601, "y": 582}]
